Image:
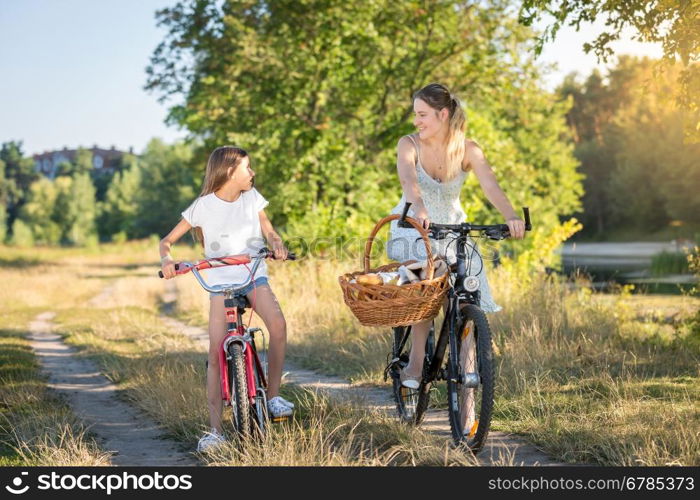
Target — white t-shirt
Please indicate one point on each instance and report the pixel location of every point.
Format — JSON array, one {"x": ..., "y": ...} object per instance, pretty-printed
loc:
[{"x": 229, "y": 228}]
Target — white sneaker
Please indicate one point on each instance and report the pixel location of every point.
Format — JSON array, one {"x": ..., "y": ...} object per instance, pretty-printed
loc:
[
  {"x": 285, "y": 402},
  {"x": 277, "y": 408},
  {"x": 209, "y": 441}
]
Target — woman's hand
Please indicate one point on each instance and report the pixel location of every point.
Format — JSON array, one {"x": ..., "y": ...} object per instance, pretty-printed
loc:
[
  {"x": 516, "y": 226},
  {"x": 279, "y": 250},
  {"x": 421, "y": 215},
  {"x": 167, "y": 265}
]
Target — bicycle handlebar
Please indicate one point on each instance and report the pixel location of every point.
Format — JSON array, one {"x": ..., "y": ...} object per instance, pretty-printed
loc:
[
  {"x": 231, "y": 260},
  {"x": 493, "y": 231}
]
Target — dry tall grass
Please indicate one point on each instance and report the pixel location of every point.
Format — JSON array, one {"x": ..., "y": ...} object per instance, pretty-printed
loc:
[
  {"x": 588, "y": 377},
  {"x": 326, "y": 432},
  {"x": 36, "y": 428}
]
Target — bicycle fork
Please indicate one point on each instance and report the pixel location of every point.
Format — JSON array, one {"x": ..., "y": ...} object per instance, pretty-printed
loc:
[{"x": 236, "y": 334}]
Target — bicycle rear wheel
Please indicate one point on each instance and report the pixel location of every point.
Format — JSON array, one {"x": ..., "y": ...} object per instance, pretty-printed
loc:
[
  {"x": 470, "y": 383},
  {"x": 240, "y": 404},
  {"x": 410, "y": 403}
]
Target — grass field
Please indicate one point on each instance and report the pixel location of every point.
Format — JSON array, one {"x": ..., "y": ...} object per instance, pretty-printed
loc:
[{"x": 606, "y": 379}]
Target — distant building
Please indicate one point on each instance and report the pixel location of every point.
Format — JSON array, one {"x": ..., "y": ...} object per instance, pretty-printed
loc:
[{"x": 103, "y": 160}]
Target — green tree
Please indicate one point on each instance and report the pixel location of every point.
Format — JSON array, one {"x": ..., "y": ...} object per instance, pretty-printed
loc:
[
  {"x": 119, "y": 210},
  {"x": 675, "y": 24},
  {"x": 82, "y": 163},
  {"x": 75, "y": 210},
  {"x": 22, "y": 235},
  {"x": 319, "y": 91},
  {"x": 19, "y": 175},
  {"x": 589, "y": 119},
  {"x": 168, "y": 176},
  {"x": 657, "y": 175},
  {"x": 4, "y": 192},
  {"x": 37, "y": 213},
  {"x": 103, "y": 178},
  {"x": 629, "y": 139},
  {"x": 59, "y": 211}
]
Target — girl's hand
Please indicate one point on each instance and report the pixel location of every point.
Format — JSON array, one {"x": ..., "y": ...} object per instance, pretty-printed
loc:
[
  {"x": 167, "y": 265},
  {"x": 516, "y": 226},
  {"x": 279, "y": 250}
]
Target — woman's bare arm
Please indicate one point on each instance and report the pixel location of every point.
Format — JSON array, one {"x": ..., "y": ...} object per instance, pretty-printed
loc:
[
  {"x": 492, "y": 190},
  {"x": 406, "y": 166}
]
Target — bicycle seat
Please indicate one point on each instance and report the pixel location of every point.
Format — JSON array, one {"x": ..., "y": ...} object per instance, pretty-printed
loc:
[{"x": 239, "y": 302}]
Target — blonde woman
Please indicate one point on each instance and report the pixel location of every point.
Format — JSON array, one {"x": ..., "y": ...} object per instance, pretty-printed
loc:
[{"x": 433, "y": 165}]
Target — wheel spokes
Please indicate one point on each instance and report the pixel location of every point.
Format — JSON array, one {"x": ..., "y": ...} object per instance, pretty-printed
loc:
[{"x": 466, "y": 394}]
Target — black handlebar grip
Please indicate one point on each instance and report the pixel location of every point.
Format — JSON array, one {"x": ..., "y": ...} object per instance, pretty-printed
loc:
[
  {"x": 177, "y": 268},
  {"x": 291, "y": 256},
  {"x": 402, "y": 221},
  {"x": 526, "y": 213},
  {"x": 405, "y": 211}
]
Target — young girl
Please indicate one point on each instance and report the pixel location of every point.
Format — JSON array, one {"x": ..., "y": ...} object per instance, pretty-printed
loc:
[{"x": 228, "y": 218}]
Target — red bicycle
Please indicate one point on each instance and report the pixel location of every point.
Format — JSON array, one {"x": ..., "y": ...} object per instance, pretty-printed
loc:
[{"x": 243, "y": 374}]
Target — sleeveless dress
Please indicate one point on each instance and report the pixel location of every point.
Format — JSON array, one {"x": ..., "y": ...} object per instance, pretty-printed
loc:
[{"x": 441, "y": 199}]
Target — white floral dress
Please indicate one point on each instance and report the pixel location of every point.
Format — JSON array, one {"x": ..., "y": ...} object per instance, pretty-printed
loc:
[{"x": 444, "y": 207}]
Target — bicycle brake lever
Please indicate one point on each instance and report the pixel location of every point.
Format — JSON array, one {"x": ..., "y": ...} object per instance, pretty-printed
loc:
[
  {"x": 497, "y": 234},
  {"x": 437, "y": 234}
]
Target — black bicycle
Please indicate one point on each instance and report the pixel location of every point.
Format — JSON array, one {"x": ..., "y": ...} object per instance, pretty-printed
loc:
[{"x": 465, "y": 331}]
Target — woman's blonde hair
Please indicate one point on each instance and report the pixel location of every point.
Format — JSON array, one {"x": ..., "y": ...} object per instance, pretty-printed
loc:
[
  {"x": 216, "y": 175},
  {"x": 439, "y": 97}
]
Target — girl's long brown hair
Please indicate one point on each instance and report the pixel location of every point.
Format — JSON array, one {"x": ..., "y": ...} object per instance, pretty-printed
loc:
[
  {"x": 216, "y": 175},
  {"x": 439, "y": 97}
]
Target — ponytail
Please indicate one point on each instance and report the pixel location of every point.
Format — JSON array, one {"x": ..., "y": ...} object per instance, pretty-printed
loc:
[{"x": 455, "y": 137}]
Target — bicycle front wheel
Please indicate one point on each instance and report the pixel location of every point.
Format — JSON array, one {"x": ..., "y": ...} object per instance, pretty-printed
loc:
[
  {"x": 240, "y": 404},
  {"x": 259, "y": 409},
  {"x": 470, "y": 383}
]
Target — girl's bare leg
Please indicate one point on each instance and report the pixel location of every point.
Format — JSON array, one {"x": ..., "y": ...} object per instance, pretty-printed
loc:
[
  {"x": 266, "y": 306},
  {"x": 217, "y": 332}
]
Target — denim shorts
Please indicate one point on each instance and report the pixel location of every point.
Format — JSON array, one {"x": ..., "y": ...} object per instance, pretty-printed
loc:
[{"x": 246, "y": 289}]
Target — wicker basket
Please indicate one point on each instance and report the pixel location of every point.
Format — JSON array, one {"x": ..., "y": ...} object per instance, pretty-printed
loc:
[{"x": 394, "y": 305}]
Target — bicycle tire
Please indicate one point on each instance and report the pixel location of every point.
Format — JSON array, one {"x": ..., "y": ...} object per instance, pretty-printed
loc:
[
  {"x": 405, "y": 398},
  {"x": 457, "y": 390},
  {"x": 240, "y": 404},
  {"x": 410, "y": 403},
  {"x": 259, "y": 414}
]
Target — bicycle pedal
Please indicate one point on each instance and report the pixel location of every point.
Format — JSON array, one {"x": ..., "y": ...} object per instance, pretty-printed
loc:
[{"x": 279, "y": 420}]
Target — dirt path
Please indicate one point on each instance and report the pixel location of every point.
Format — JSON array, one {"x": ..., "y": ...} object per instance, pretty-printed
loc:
[
  {"x": 129, "y": 434},
  {"x": 501, "y": 448}
]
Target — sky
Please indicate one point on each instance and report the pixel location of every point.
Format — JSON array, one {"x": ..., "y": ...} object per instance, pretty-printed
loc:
[{"x": 73, "y": 71}]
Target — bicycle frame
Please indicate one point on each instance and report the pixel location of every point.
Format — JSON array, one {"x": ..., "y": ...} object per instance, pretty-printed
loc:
[
  {"x": 456, "y": 296},
  {"x": 468, "y": 368},
  {"x": 236, "y": 332},
  {"x": 458, "y": 293}
]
